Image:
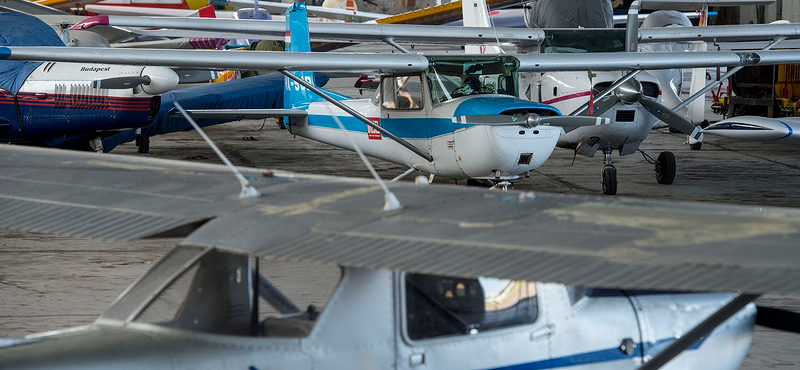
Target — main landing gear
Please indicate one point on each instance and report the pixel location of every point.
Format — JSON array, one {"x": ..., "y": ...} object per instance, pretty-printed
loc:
[{"x": 665, "y": 166}]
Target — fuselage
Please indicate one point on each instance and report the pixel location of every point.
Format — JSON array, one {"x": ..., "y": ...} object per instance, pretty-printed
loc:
[
  {"x": 379, "y": 319},
  {"x": 459, "y": 150},
  {"x": 568, "y": 91},
  {"x": 57, "y": 104}
]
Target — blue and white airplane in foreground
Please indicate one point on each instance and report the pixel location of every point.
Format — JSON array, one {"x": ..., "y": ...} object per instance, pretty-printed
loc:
[{"x": 455, "y": 279}]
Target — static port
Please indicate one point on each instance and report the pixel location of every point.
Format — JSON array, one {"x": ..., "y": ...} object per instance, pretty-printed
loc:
[
  {"x": 522, "y": 132},
  {"x": 525, "y": 159},
  {"x": 536, "y": 132}
]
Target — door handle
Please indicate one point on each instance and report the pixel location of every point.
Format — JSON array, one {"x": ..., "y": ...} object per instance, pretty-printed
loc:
[{"x": 543, "y": 332}]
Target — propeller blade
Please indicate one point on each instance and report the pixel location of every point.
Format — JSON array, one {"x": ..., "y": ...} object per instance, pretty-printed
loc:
[
  {"x": 672, "y": 119},
  {"x": 189, "y": 76},
  {"x": 573, "y": 121},
  {"x": 779, "y": 319},
  {"x": 121, "y": 82},
  {"x": 528, "y": 120},
  {"x": 531, "y": 120}
]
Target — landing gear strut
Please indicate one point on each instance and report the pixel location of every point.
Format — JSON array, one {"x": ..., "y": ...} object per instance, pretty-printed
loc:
[{"x": 609, "y": 174}]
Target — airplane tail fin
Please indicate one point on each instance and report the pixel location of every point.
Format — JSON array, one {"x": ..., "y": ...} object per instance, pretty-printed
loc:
[
  {"x": 476, "y": 14},
  {"x": 297, "y": 40}
]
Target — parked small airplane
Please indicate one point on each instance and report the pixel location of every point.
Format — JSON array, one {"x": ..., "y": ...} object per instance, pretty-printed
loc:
[
  {"x": 454, "y": 279},
  {"x": 67, "y": 104},
  {"x": 753, "y": 128}
]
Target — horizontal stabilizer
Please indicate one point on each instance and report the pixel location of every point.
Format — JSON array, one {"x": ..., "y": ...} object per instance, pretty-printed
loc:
[
  {"x": 441, "y": 230},
  {"x": 240, "y": 114}
]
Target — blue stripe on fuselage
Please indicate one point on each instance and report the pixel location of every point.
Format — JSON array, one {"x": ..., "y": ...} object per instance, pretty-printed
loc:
[
  {"x": 407, "y": 128},
  {"x": 605, "y": 355},
  {"x": 789, "y": 128}
]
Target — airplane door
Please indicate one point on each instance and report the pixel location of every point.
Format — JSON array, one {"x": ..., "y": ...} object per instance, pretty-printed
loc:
[
  {"x": 405, "y": 111},
  {"x": 447, "y": 322},
  {"x": 595, "y": 328}
]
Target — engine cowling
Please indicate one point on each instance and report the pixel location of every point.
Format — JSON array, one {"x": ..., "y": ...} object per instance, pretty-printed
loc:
[{"x": 162, "y": 80}]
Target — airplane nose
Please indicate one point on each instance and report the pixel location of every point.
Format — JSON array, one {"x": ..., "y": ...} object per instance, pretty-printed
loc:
[
  {"x": 162, "y": 80},
  {"x": 630, "y": 92},
  {"x": 92, "y": 348}
]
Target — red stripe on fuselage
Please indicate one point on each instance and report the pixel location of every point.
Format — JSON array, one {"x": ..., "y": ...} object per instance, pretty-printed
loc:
[{"x": 567, "y": 97}]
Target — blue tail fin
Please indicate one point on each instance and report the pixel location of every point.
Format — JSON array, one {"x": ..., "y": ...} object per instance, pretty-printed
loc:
[{"x": 297, "y": 40}]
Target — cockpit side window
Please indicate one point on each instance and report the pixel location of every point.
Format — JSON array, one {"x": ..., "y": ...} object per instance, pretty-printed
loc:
[
  {"x": 438, "y": 306},
  {"x": 401, "y": 92},
  {"x": 236, "y": 294}
]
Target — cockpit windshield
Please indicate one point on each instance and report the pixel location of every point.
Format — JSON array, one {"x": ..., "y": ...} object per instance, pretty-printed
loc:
[
  {"x": 454, "y": 76},
  {"x": 583, "y": 41},
  {"x": 212, "y": 291}
]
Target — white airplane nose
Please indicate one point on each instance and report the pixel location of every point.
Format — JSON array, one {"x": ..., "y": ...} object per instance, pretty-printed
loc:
[{"x": 752, "y": 128}]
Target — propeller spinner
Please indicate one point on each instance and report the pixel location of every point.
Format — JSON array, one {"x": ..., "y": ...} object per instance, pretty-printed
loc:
[{"x": 153, "y": 80}]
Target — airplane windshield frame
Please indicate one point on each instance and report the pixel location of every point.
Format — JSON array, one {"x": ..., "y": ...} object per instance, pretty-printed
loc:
[
  {"x": 213, "y": 291},
  {"x": 451, "y": 77},
  {"x": 560, "y": 41}
]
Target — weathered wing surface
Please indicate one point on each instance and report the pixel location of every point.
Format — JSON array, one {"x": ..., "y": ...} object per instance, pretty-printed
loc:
[{"x": 601, "y": 242}]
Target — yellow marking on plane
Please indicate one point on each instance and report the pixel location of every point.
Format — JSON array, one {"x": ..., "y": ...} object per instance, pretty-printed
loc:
[{"x": 439, "y": 14}]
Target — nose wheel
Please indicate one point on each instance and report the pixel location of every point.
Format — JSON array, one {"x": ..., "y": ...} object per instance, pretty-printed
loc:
[
  {"x": 609, "y": 174},
  {"x": 609, "y": 180}
]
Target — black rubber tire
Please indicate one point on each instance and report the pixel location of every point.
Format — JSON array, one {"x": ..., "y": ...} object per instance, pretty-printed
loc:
[
  {"x": 143, "y": 142},
  {"x": 609, "y": 180},
  {"x": 665, "y": 168},
  {"x": 696, "y": 146}
]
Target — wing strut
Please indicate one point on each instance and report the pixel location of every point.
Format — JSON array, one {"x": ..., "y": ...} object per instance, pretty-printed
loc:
[
  {"x": 360, "y": 116},
  {"x": 701, "y": 330}
]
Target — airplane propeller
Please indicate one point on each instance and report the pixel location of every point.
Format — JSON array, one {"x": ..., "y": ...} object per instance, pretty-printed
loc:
[
  {"x": 116, "y": 83},
  {"x": 631, "y": 92},
  {"x": 153, "y": 80},
  {"x": 531, "y": 120}
]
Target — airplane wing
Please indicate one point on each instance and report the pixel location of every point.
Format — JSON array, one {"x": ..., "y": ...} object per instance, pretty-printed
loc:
[
  {"x": 317, "y": 11},
  {"x": 325, "y": 31},
  {"x": 447, "y": 230},
  {"x": 398, "y": 63}
]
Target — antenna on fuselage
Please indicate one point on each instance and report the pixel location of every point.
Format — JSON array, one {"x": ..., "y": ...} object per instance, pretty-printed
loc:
[{"x": 248, "y": 191}]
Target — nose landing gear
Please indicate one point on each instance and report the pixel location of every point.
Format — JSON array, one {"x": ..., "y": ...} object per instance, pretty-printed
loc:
[{"x": 609, "y": 174}]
